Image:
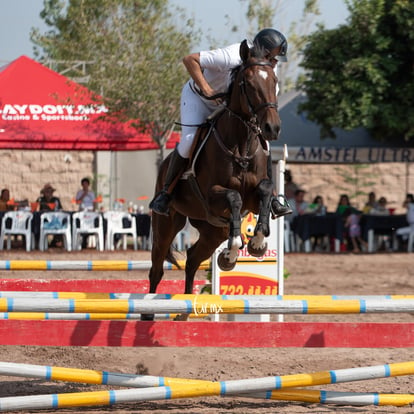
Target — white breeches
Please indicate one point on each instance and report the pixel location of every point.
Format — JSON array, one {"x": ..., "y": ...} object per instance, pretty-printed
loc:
[{"x": 194, "y": 111}]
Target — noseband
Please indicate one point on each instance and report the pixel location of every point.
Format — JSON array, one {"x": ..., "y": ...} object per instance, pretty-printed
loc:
[{"x": 254, "y": 111}]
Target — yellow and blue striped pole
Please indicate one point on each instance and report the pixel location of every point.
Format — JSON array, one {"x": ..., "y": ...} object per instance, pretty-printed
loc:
[
  {"x": 269, "y": 383},
  {"x": 84, "y": 295},
  {"x": 50, "y": 316},
  {"x": 206, "y": 388},
  {"x": 208, "y": 304},
  {"x": 101, "y": 398},
  {"x": 91, "y": 265},
  {"x": 336, "y": 397},
  {"x": 127, "y": 296}
]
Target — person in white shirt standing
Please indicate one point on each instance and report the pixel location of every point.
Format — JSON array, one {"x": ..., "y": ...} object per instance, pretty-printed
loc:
[
  {"x": 85, "y": 197},
  {"x": 210, "y": 73}
]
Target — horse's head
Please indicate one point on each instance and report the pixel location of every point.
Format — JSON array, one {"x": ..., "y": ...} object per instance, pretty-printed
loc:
[{"x": 254, "y": 92}]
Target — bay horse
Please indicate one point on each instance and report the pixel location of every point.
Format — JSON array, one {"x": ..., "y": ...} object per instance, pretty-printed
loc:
[{"x": 227, "y": 178}]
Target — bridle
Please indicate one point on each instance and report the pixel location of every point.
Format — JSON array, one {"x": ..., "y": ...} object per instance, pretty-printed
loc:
[
  {"x": 242, "y": 84},
  {"x": 252, "y": 124}
]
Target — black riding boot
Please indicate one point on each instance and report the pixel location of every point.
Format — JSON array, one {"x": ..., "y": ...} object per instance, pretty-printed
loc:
[
  {"x": 277, "y": 208},
  {"x": 162, "y": 200}
]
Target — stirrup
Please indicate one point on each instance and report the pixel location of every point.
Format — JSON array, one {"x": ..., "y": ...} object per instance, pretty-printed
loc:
[{"x": 279, "y": 210}]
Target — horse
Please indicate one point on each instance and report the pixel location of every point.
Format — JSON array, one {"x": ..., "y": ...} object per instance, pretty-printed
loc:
[{"x": 228, "y": 176}]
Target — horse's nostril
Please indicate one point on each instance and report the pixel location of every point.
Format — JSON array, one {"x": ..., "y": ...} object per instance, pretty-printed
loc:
[{"x": 272, "y": 130}]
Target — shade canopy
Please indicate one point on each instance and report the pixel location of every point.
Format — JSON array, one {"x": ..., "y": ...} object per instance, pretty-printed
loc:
[
  {"x": 41, "y": 109},
  {"x": 305, "y": 145}
]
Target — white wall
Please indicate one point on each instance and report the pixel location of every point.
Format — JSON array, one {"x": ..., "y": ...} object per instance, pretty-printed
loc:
[{"x": 133, "y": 175}]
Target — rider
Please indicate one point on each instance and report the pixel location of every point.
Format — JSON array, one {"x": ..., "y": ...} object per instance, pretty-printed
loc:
[{"x": 210, "y": 75}]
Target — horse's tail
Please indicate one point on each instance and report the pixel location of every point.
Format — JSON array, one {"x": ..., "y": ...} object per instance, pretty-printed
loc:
[{"x": 171, "y": 258}]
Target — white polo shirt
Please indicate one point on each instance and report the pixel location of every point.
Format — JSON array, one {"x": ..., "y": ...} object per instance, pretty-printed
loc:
[{"x": 217, "y": 65}]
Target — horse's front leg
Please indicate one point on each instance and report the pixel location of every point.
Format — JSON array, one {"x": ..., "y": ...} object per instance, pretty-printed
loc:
[
  {"x": 257, "y": 245},
  {"x": 228, "y": 257}
]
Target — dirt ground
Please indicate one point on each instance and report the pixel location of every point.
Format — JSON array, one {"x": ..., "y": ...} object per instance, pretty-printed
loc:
[{"x": 309, "y": 274}]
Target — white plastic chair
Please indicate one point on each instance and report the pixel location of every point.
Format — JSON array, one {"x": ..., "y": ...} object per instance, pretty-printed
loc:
[
  {"x": 86, "y": 223},
  {"x": 182, "y": 240},
  {"x": 410, "y": 245},
  {"x": 375, "y": 239},
  {"x": 407, "y": 233},
  {"x": 116, "y": 223},
  {"x": 17, "y": 223},
  {"x": 53, "y": 223}
]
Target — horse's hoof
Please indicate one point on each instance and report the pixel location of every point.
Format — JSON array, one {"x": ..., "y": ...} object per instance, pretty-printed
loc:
[
  {"x": 224, "y": 264},
  {"x": 147, "y": 317},
  {"x": 256, "y": 252},
  {"x": 182, "y": 317}
]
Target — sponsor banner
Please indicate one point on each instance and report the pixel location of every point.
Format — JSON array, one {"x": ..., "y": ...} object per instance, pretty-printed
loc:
[
  {"x": 345, "y": 155},
  {"x": 246, "y": 283},
  {"x": 49, "y": 112},
  {"x": 251, "y": 275}
]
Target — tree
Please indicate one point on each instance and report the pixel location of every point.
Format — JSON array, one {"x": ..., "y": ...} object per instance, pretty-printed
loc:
[
  {"x": 264, "y": 13},
  {"x": 356, "y": 179},
  {"x": 136, "y": 50},
  {"x": 362, "y": 73}
]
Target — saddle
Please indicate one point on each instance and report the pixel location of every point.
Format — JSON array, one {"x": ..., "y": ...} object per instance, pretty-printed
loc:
[{"x": 199, "y": 142}]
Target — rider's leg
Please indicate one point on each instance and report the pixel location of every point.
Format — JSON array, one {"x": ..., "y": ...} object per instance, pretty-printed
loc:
[
  {"x": 278, "y": 209},
  {"x": 176, "y": 168},
  {"x": 193, "y": 113}
]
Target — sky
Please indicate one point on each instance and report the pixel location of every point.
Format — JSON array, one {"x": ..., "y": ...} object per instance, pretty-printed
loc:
[{"x": 19, "y": 16}]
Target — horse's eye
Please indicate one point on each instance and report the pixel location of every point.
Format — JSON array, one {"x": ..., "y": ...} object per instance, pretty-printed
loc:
[{"x": 272, "y": 59}]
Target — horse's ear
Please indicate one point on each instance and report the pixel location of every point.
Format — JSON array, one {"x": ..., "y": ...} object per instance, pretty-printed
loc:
[{"x": 244, "y": 50}]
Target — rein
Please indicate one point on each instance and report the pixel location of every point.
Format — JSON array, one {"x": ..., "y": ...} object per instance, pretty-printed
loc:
[{"x": 243, "y": 162}]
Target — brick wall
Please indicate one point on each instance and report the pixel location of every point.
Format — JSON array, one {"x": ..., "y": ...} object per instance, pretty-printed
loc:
[
  {"x": 25, "y": 173},
  {"x": 392, "y": 180}
]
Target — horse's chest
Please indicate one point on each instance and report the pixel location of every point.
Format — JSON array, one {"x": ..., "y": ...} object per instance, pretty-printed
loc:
[{"x": 243, "y": 181}]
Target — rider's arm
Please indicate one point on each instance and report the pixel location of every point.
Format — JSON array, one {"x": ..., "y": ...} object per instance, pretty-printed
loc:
[{"x": 192, "y": 64}]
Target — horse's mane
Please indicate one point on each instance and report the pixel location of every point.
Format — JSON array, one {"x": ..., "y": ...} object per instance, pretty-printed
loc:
[{"x": 256, "y": 52}]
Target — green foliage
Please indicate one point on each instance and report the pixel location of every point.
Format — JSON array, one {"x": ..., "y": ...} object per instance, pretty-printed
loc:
[
  {"x": 261, "y": 13},
  {"x": 356, "y": 179},
  {"x": 362, "y": 73},
  {"x": 297, "y": 37},
  {"x": 136, "y": 49},
  {"x": 207, "y": 288},
  {"x": 264, "y": 13}
]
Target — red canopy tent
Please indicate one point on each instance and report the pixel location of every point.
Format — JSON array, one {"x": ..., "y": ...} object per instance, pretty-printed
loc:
[{"x": 41, "y": 109}]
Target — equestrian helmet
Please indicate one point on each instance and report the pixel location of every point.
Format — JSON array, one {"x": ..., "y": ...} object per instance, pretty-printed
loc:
[{"x": 270, "y": 39}]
